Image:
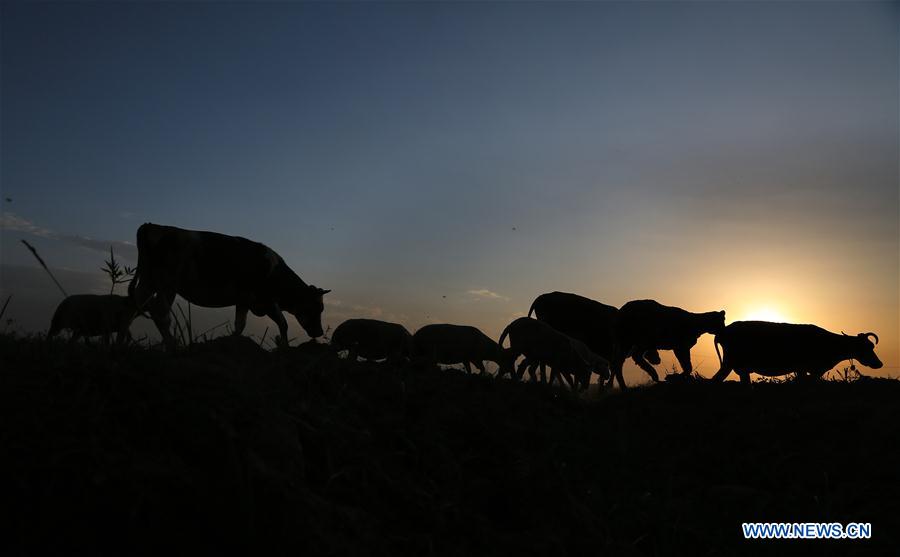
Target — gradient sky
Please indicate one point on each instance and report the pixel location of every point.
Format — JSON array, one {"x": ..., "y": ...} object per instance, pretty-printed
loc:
[{"x": 449, "y": 162}]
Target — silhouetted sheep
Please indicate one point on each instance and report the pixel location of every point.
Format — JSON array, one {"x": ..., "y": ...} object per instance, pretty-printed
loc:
[
  {"x": 455, "y": 344},
  {"x": 91, "y": 315},
  {"x": 372, "y": 339},
  {"x": 542, "y": 345}
]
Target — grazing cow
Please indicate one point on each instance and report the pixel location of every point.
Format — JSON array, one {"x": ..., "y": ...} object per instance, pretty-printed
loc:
[
  {"x": 646, "y": 324},
  {"x": 373, "y": 340},
  {"x": 454, "y": 344},
  {"x": 214, "y": 270},
  {"x": 589, "y": 321},
  {"x": 542, "y": 345},
  {"x": 91, "y": 315},
  {"x": 774, "y": 349}
]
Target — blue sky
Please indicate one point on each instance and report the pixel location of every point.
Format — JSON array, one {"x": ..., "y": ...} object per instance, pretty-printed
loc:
[{"x": 709, "y": 155}]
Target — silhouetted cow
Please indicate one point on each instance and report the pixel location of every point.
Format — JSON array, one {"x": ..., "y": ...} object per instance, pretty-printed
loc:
[
  {"x": 372, "y": 339},
  {"x": 455, "y": 344},
  {"x": 214, "y": 270},
  {"x": 589, "y": 321},
  {"x": 647, "y": 324},
  {"x": 94, "y": 315},
  {"x": 542, "y": 345},
  {"x": 774, "y": 349}
]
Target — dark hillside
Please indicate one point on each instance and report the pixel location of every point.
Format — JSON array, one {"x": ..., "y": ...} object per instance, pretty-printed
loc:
[{"x": 228, "y": 447}]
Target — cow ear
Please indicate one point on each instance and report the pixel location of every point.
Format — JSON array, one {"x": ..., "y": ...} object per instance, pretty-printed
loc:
[{"x": 322, "y": 291}]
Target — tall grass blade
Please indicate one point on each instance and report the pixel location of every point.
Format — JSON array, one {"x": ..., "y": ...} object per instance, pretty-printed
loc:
[
  {"x": 6, "y": 303},
  {"x": 44, "y": 265}
]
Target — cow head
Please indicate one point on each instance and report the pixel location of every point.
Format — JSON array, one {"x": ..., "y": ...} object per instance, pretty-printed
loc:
[
  {"x": 864, "y": 350},
  {"x": 308, "y": 308},
  {"x": 713, "y": 322}
]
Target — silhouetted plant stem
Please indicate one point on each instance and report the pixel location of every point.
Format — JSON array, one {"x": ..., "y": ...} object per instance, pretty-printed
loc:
[
  {"x": 44, "y": 265},
  {"x": 6, "y": 303}
]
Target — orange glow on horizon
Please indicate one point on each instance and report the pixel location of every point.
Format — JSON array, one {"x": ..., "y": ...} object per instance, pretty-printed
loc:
[{"x": 766, "y": 312}]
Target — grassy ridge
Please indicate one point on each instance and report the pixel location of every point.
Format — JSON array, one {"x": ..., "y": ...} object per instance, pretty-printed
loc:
[{"x": 226, "y": 446}]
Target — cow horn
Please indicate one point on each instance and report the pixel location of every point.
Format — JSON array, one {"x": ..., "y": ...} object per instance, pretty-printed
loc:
[
  {"x": 867, "y": 335},
  {"x": 323, "y": 291}
]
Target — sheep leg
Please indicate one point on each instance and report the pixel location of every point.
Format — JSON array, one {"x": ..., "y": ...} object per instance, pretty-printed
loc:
[
  {"x": 532, "y": 372},
  {"x": 520, "y": 371},
  {"x": 124, "y": 337},
  {"x": 567, "y": 378}
]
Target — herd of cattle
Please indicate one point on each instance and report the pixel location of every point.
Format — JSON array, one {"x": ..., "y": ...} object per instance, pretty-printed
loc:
[{"x": 572, "y": 335}]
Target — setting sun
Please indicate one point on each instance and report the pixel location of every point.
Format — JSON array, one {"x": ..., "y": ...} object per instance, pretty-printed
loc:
[{"x": 765, "y": 313}]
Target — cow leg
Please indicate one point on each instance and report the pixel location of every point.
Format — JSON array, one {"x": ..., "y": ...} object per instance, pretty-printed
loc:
[
  {"x": 683, "y": 355},
  {"x": 278, "y": 317},
  {"x": 543, "y": 372},
  {"x": 468, "y": 368},
  {"x": 240, "y": 319},
  {"x": 480, "y": 365},
  {"x": 745, "y": 377},
  {"x": 615, "y": 372},
  {"x": 642, "y": 363}
]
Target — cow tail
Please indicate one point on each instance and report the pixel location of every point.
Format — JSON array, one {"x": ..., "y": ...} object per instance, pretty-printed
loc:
[
  {"x": 143, "y": 255},
  {"x": 716, "y": 344},
  {"x": 133, "y": 284},
  {"x": 503, "y": 335}
]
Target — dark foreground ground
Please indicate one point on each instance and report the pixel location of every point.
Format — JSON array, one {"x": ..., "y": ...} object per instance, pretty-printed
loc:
[{"x": 225, "y": 447}]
